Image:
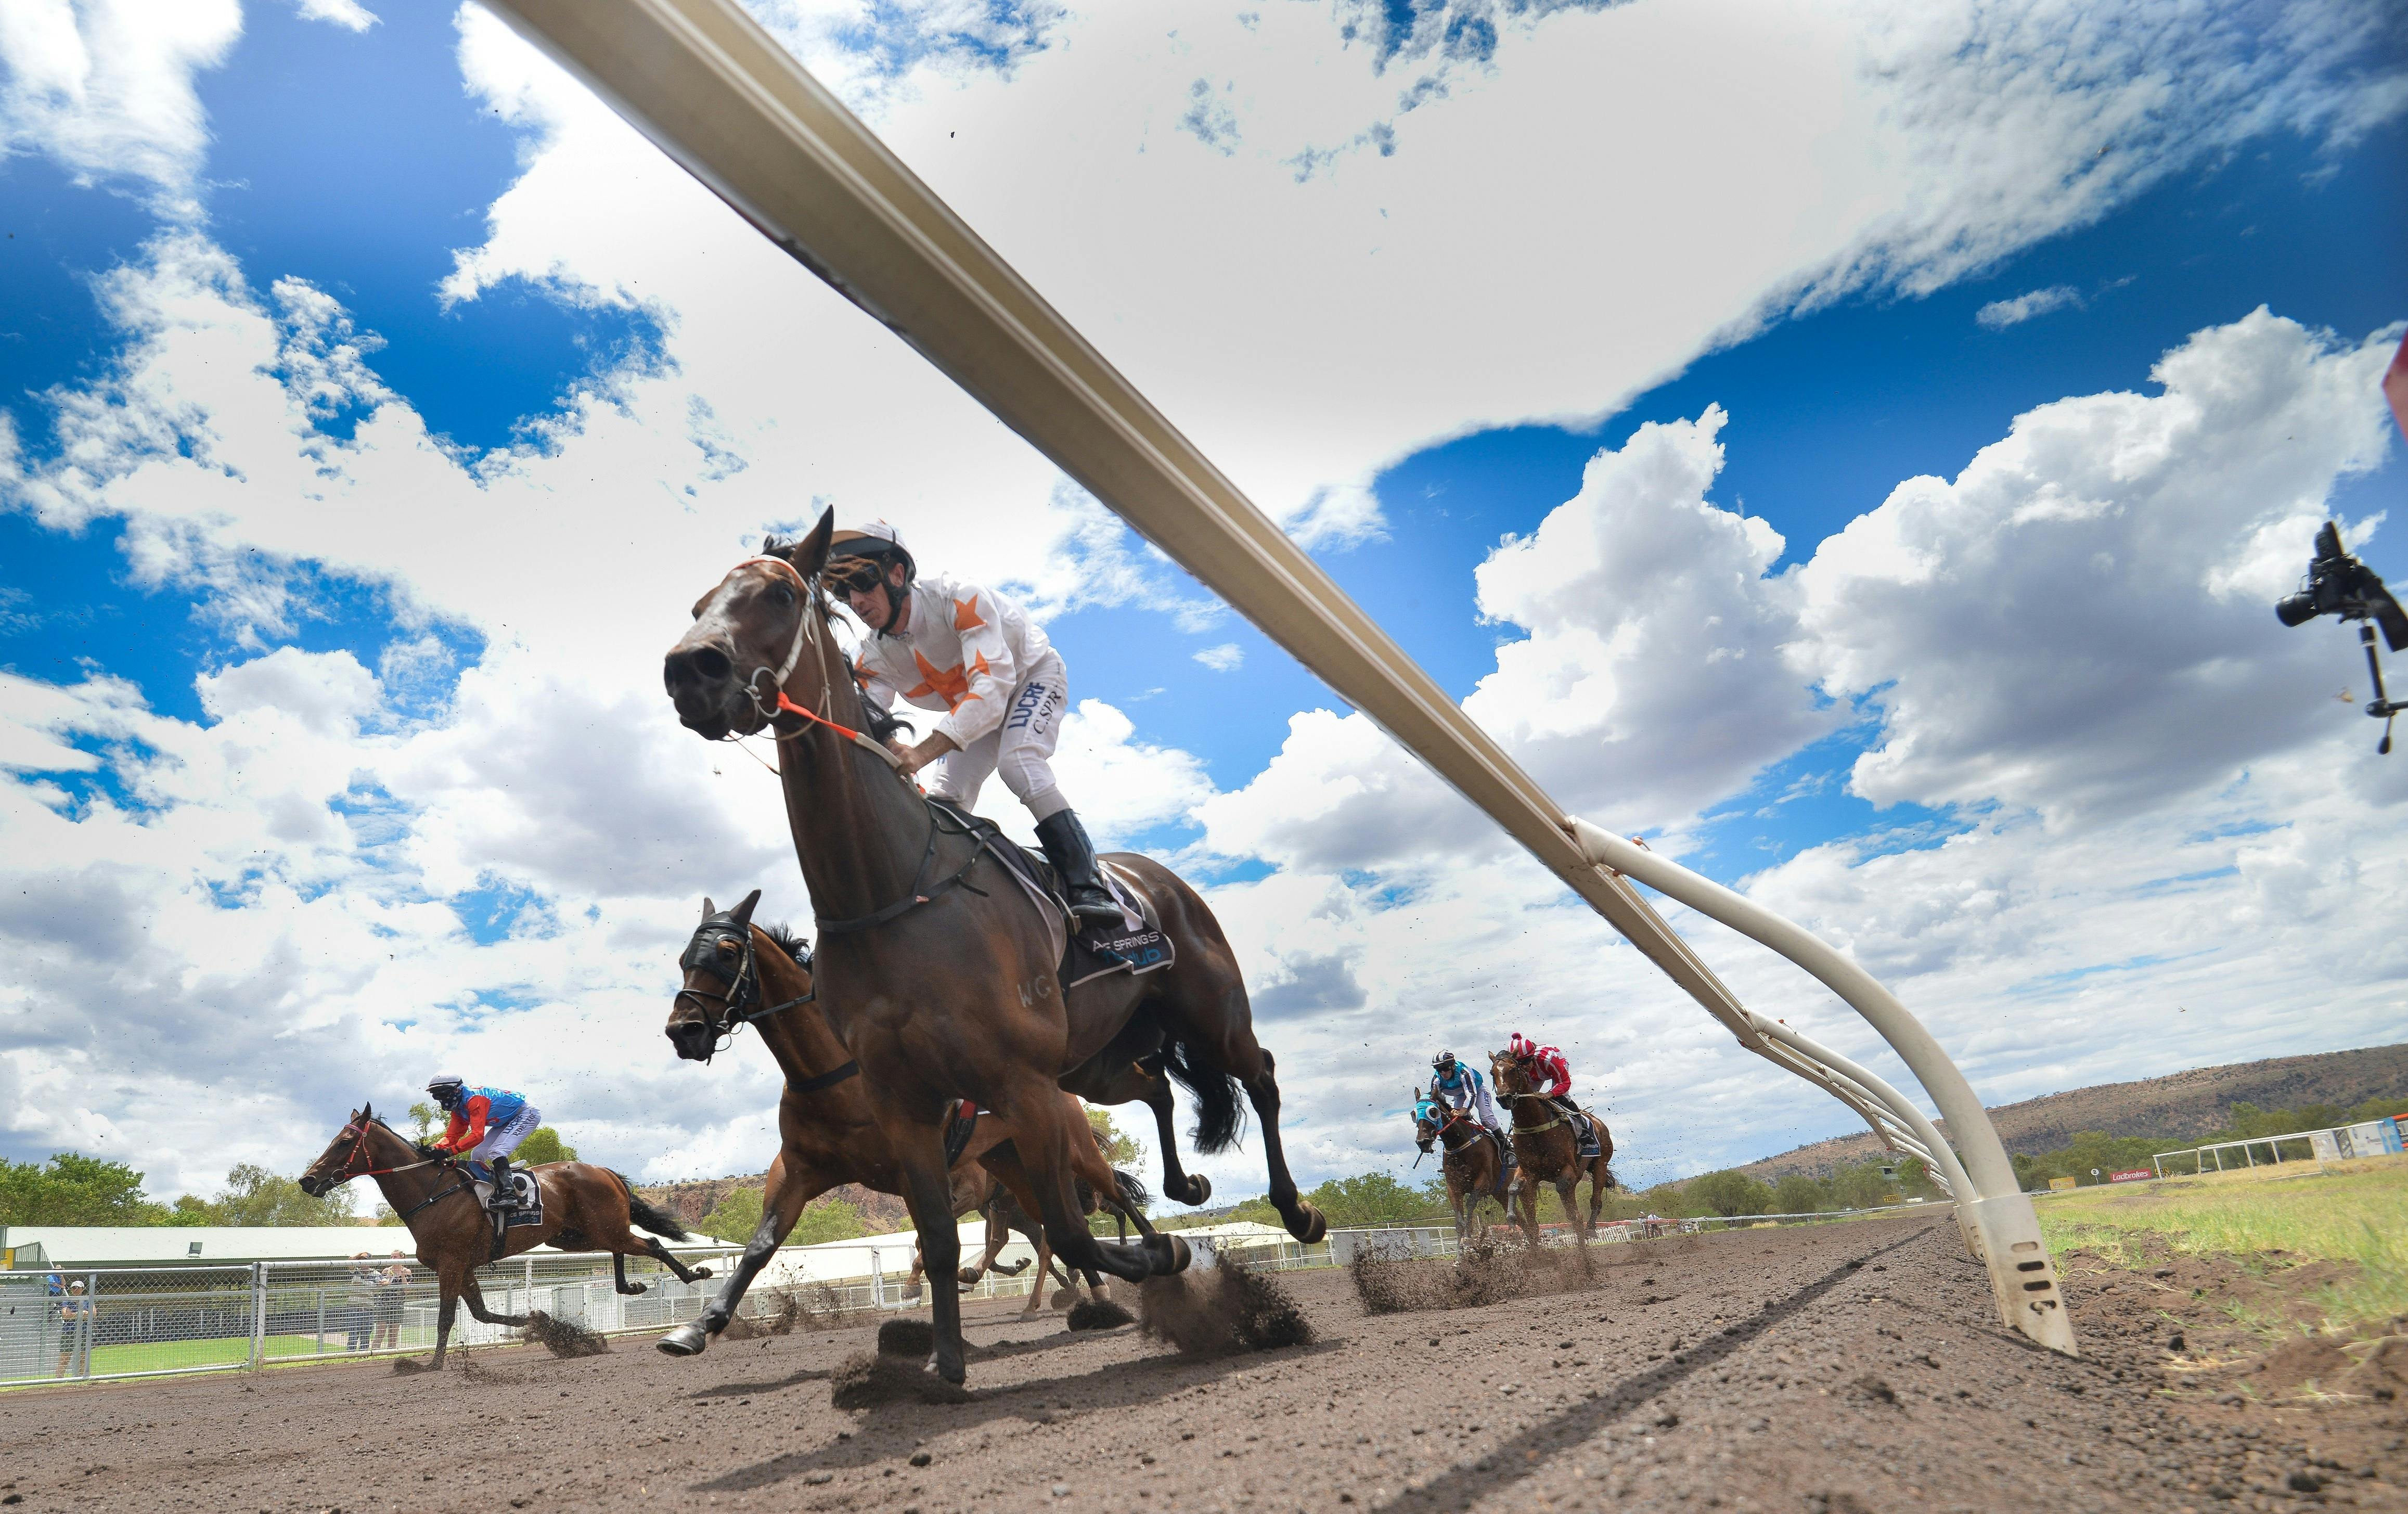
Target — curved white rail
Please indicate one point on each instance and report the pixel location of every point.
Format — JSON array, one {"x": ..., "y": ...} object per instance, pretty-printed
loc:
[{"x": 718, "y": 95}]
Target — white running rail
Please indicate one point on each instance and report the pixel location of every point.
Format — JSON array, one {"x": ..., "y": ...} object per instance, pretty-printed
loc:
[{"x": 718, "y": 95}]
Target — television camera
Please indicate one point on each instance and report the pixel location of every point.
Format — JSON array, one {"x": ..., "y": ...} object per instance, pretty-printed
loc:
[{"x": 2339, "y": 584}]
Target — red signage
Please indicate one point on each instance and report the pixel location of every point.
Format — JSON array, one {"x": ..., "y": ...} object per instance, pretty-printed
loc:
[{"x": 2135, "y": 1176}]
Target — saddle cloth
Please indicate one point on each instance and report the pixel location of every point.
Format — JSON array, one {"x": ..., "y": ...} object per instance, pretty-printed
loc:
[
  {"x": 1137, "y": 946},
  {"x": 526, "y": 1206}
]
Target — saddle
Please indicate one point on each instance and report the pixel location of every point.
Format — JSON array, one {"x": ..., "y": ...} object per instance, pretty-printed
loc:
[
  {"x": 1136, "y": 943},
  {"x": 523, "y": 1207}
]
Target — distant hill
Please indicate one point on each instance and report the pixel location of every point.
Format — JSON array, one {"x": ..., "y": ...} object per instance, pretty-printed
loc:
[
  {"x": 2180, "y": 1106},
  {"x": 881, "y": 1213}
]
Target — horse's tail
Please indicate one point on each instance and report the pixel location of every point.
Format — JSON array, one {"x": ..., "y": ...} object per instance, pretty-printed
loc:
[
  {"x": 1133, "y": 1192},
  {"x": 1220, "y": 1118},
  {"x": 652, "y": 1217}
]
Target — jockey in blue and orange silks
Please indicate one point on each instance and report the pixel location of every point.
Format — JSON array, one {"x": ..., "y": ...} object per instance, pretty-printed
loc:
[{"x": 486, "y": 1126}]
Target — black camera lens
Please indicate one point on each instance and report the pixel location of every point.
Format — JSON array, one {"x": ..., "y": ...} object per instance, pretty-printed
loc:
[{"x": 2296, "y": 609}]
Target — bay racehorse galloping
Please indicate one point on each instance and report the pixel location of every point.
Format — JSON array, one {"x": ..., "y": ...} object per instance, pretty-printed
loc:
[
  {"x": 585, "y": 1208},
  {"x": 938, "y": 973},
  {"x": 1474, "y": 1163},
  {"x": 737, "y": 972},
  {"x": 1547, "y": 1148}
]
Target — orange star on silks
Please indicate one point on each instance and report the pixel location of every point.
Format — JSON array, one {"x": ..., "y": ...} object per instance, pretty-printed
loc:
[
  {"x": 966, "y": 615},
  {"x": 951, "y": 685}
]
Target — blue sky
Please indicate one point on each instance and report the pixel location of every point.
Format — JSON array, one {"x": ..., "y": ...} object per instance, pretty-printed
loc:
[{"x": 513, "y": 385}]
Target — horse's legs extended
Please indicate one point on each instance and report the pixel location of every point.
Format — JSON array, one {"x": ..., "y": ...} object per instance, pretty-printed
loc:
[
  {"x": 789, "y": 1188},
  {"x": 919, "y": 1146},
  {"x": 443, "y": 1313},
  {"x": 618, "y": 1275},
  {"x": 662, "y": 1254},
  {"x": 1181, "y": 1187},
  {"x": 1304, "y": 1221},
  {"x": 1045, "y": 1143},
  {"x": 476, "y": 1297},
  {"x": 1567, "y": 1189},
  {"x": 1044, "y": 1274}
]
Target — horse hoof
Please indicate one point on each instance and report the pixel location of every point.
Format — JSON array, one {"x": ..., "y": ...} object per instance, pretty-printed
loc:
[
  {"x": 1315, "y": 1227},
  {"x": 689, "y": 1339},
  {"x": 702, "y": 1271},
  {"x": 1181, "y": 1254},
  {"x": 1199, "y": 1189},
  {"x": 967, "y": 1276}
]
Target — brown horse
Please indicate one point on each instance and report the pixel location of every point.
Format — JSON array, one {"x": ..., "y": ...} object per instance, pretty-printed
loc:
[
  {"x": 585, "y": 1208},
  {"x": 939, "y": 976},
  {"x": 1548, "y": 1148},
  {"x": 737, "y": 972},
  {"x": 1006, "y": 1216},
  {"x": 1474, "y": 1163}
]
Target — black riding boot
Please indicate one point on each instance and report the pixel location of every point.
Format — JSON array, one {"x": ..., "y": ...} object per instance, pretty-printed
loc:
[
  {"x": 501, "y": 1169},
  {"x": 1073, "y": 856}
]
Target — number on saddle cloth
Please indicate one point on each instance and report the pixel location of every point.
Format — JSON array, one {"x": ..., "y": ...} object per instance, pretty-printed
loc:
[{"x": 1136, "y": 943}]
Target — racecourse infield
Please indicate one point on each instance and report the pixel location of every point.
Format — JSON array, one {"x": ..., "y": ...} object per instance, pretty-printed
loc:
[{"x": 1832, "y": 1369}]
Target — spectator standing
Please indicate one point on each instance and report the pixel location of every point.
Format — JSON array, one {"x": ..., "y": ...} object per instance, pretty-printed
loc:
[
  {"x": 392, "y": 1283},
  {"x": 74, "y": 1329},
  {"x": 359, "y": 1298}
]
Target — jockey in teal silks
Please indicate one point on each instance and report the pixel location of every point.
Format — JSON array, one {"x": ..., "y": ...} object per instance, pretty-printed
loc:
[
  {"x": 486, "y": 1126},
  {"x": 1459, "y": 1086}
]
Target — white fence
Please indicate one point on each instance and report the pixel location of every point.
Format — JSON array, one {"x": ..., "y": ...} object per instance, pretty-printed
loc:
[
  {"x": 93, "y": 1323},
  {"x": 2336, "y": 1143},
  {"x": 162, "y": 1321}
]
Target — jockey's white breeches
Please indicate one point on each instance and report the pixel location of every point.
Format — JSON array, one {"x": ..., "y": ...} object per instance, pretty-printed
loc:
[
  {"x": 502, "y": 1139},
  {"x": 1019, "y": 750}
]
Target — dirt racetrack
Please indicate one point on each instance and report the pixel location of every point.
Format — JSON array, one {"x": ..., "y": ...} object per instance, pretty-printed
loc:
[{"x": 1838, "y": 1369}]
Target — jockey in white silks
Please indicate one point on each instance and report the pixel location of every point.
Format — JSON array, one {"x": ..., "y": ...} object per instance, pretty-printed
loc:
[{"x": 941, "y": 643}]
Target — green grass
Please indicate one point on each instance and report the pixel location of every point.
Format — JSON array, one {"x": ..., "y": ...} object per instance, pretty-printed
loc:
[
  {"x": 163, "y": 1356},
  {"x": 2355, "y": 1212}
]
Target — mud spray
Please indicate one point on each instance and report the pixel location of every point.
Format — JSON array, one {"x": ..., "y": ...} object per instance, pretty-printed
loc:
[
  {"x": 563, "y": 1339},
  {"x": 1488, "y": 1270},
  {"x": 1221, "y": 1311}
]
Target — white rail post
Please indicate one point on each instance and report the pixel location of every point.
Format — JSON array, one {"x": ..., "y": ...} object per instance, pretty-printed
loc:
[
  {"x": 717, "y": 94},
  {"x": 258, "y": 1314},
  {"x": 2005, "y": 1229}
]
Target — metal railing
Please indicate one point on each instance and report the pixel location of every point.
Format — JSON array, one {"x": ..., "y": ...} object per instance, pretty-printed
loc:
[
  {"x": 95, "y": 1323},
  {"x": 2335, "y": 1143},
  {"x": 165, "y": 1322}
]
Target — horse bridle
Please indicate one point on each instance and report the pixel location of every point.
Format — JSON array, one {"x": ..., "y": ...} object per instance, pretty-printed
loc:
[{"x": 742, "y": 1002}]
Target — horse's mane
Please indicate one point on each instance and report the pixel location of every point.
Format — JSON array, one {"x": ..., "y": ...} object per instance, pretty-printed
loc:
[
  {"x": 789, "y": 943},
  {"x": 423, "y": 1151},
  {"x": 880, "y": 723}
]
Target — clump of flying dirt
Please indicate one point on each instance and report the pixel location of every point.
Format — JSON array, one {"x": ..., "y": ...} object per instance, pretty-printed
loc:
[
  {"x": 1489, "y": 1269},
  {"x": 786, "y": 1310},
  {"x": 410, "y": 1366},
  {"x": 1098, "y": 1314},
  {"x": 562, "y": 1337},
  {"x": 864, "y": 1380},
  {"x": 913, "y": 1338},
  {"x": 1225, "y": 1311}
]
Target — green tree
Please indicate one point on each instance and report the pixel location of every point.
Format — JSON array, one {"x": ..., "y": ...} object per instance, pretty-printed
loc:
[
  {"x": 425, "y": 1121},
  {"x": 1119, "y": 1147},
  {"x": 1798, "y": 1194},
  {"x": 829, "y": 1219},
  {"x": 543, "y": 1144},
  {"x": 72, "y": 1190},
  {"x": 1728, "y": 1194},
  {"x": 735, "y": 1216},
  {"x": 1860, "y": 1186},
  {"x": 255, "y": 1196},
  {"x": 1368, "y": 1199}
]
